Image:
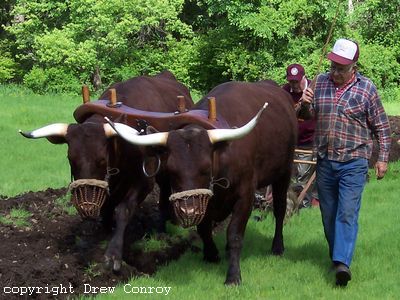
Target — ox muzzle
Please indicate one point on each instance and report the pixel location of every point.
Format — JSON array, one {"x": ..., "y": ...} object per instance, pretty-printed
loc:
[
  {"x": 88, "y": 196},
  {"x": 190, "y": 206}
]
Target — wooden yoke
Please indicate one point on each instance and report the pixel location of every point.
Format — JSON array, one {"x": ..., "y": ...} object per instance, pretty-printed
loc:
[
  {"x": 85, "y": 94},
  {"x": 113, "y": 99},
  {"x": 181, "y": 104},
  {"x": 212, "y": 109}
]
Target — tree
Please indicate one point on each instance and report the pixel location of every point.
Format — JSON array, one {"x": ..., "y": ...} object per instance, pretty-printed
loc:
[{"x": 120, "y": 38}]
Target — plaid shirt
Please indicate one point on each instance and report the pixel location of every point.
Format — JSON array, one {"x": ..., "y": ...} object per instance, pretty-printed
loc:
[{"x": 347, "y": 120}]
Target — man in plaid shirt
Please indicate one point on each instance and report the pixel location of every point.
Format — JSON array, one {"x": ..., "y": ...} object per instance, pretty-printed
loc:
[{"x": 349, "y": 113}]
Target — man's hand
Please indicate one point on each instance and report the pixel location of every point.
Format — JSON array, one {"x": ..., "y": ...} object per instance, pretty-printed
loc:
[
  {"x": 380, "y": 169},
  {"x": 308, "y": 95}
]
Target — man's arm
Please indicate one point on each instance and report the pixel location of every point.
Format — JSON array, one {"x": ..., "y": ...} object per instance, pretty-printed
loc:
[{"x": 380, "y": 127}]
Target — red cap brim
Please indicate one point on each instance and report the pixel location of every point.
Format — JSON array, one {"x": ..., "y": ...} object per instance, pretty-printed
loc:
[
  {"x": 294, "y": 77},
  {"x": 339, "y": 59}
]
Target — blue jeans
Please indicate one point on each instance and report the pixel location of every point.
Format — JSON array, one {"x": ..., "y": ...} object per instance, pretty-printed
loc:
[{"x": 340, "y": 185}]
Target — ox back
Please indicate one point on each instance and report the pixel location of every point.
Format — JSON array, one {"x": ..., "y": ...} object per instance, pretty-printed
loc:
[{"x": 152, "y": 93}]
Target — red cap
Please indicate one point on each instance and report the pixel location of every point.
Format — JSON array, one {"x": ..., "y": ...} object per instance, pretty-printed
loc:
[
  {"x": 344, "y": 52},
  {"x": 295, "y": 72}
]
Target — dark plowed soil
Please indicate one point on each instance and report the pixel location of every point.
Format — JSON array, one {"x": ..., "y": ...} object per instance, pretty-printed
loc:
[{"x": 57, "y": 249}]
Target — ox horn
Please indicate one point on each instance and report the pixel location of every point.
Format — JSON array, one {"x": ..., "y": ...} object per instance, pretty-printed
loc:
[
  {"x": 132, "y": 135},
  {"x": 219, "y": 135},
  {"x": 57, "y": 129}
]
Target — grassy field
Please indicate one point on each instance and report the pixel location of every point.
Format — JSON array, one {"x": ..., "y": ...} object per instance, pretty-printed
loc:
[
  {"x": 32, "y": 164},
  {"x": 301, "y": 273}
]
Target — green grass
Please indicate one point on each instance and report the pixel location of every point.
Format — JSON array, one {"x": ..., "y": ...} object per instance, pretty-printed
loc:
[
  {"x": 392, "y": 108},
  {"x": 32, "y": 164},
  {"x": 150, "y": 243},
  {"x": 17, "y": 217},
  {"x": 65, "y": 204}
]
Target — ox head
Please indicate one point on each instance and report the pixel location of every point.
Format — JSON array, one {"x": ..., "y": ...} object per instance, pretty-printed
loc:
[
  {"x": 190, "y": 154},
  {"x": 88, "y": 155},
  {"x": 87, "y": 146}
]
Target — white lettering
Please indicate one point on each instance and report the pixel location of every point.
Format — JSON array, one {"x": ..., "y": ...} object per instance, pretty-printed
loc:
[
  {"x": 87, "y": 288},
  {"x": 129, "y": 289},
  {"x": 54, "y": 290},
  {"x": 167, "y": 289},
  {"x": 71, "y": 288},
  {"x": 31, "y": 290},
  {"x": 125, "y": 286}
]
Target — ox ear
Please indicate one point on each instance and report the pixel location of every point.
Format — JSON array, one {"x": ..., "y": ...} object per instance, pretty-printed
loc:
[
  {"x": 56, "y": 139},
  {"x": 55, "y": 133}
]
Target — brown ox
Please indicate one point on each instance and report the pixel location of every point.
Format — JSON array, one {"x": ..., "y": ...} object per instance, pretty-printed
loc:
[
  {"x": 96, "y": 154},
  {"x": 197, "y": 159}
]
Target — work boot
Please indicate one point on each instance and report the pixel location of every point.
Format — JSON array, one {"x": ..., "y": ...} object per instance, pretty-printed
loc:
[{"x": 343, "y": 274}]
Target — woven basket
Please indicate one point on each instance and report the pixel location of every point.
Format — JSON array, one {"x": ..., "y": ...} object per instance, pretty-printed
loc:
[
  {"x": 190, "y": 206},
  {"x": 88, "y": 196}
]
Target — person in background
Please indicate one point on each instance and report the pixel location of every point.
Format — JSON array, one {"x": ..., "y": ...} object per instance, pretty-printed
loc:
[
  {"x": 349, "y": 112},
  {"x": 297, "y": 83}
]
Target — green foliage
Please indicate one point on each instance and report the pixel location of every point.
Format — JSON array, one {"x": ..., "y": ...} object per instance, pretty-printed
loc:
[
  {"x": 54, "y": 45},
  {"x": 379, "y": 63},
  {"x": 51, "y": 80},
  {"x": 378, "y": 21},
  {"x": 80, "y": 35},
  {"x": 7, "y": 67}
]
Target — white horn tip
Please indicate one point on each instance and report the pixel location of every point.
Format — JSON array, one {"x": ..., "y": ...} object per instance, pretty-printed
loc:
[{"x": 265, "y": 105}]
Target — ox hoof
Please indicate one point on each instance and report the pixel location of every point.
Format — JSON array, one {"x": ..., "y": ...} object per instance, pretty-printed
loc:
[
  {"x": 278, "y": 252},
  {"x": 212, "y": 258},
  {"x": 113, "y": 263},
  {"x": 117, "y": 266},
  {"x": 235, "y": 280}
]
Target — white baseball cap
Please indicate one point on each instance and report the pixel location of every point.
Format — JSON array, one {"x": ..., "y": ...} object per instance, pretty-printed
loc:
[{"x": 344, "y": 52}]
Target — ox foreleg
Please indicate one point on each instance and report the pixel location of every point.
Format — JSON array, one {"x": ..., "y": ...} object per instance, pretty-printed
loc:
[
  {"x": 210, "y": 251},
  {"x": 122, "y": 215},
  {"x": 235, "y": 233},
  {"x": 164, "y": 205},
  {"x": 279, "y": 194}
]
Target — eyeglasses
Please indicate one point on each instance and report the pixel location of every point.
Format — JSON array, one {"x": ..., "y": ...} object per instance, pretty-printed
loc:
[{"x": 341, "y": 70}]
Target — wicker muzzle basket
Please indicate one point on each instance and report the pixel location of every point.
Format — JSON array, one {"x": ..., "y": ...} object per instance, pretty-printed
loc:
[
  {"x": 88, "y": 196},
  {"x": 190, "y": 206}
]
